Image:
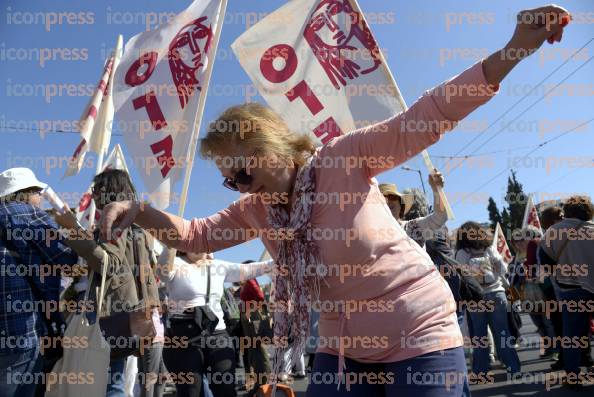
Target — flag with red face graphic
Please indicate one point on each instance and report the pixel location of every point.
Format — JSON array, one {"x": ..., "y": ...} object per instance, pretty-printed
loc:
[
  {"x": 318, "y": 65},
  {"x": 83, "y": 211},
  {"x": 531, "y": 215},
  {"x": 500, "y": 243},
  {"x": 157, "y": 89}
]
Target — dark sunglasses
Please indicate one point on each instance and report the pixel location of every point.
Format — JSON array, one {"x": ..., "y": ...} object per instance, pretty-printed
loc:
[{"x": 241, "y": 177}]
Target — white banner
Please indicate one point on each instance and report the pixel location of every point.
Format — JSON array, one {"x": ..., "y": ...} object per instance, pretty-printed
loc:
[
  {"x": 500, "y": 243},
  {"x": 101, "y": 135},
  {"x": 317, "y": 64},
  {"x": 531, "y": 215},
  {"x": 157, "y": 90},
  {"x": 96, "y": 105}
]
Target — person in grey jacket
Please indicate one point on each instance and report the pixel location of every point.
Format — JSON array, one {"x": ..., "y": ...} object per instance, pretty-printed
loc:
[
  {"x": 423, "y": 228},
  {"x": 568, "y": 248},
  {"x": 475, "y": 252}
]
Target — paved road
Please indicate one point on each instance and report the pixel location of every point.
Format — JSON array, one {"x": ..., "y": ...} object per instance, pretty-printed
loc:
[{"x": 536, "y": 379}]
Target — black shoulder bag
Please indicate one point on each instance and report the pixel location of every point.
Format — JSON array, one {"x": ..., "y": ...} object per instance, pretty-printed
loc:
[
  {"x": 204, "y": 317},
  {"x": 470, "y": 289}
]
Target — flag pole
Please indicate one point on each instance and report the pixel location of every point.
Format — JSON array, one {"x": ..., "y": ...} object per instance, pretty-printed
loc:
[
  {"x": 442, "y": 197},
  {"x": 202, "y": 101},
  {"x": 117, "y": 56}
]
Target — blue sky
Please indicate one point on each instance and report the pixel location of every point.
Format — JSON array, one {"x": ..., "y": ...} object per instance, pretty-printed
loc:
[{"x": 425, "y": 42}]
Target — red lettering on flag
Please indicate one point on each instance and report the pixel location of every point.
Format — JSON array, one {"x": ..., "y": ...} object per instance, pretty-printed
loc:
[
  {"x": 328, "y": 129},
  {"x": 165, "y": 160},
  {"x": 278, "y": 51},
  {"x": 149, "y": 101},
  {"x": 133, "y": 78},
  {"x": 302, "y": 90}
]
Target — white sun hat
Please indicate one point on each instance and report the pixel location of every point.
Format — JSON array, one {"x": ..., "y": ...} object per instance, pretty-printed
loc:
[{"x": 14, "y": 179}]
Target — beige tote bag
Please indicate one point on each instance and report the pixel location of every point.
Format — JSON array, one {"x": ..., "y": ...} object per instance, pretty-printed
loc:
[{"x": 82, "y": 371}]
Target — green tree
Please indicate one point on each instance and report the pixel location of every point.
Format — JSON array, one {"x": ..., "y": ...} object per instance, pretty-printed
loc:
[
  {"x": 516, "y": 203},
  {"x": 512, "y": 215},
  {"x": 494, "y": 215}
]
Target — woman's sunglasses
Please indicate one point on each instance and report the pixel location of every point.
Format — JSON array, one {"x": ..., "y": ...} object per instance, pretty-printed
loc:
[{"x": 241, "y": 177}]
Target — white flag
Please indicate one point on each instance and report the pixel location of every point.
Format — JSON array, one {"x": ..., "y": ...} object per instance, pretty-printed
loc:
[
  {"x": 95, "y": 107},
  {"x": 101, "y": 134},
  {"x": 500, "y": 244},
  {"x": 317, "y": 64},
  {"x": 157, "y": 90},
  {"x": 83, "y": 212},
  {"x": 531, "y": 215}
]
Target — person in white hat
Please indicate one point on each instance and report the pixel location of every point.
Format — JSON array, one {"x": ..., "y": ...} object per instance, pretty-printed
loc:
[
  {"x": 423, "y": 228},
  {"x": 29, "y": 243}
]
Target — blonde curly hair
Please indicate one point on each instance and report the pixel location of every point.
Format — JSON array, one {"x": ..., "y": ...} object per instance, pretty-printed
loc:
[{"x": 257, "y": 128}]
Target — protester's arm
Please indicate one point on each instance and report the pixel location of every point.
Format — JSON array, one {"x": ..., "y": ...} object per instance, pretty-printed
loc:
[
  {"x": 166, "y": 265},
  {"x": 462, "y": 257},
  {"x": 47, "y": 239},
  {"x": 438, "y": 218},
  {"x": 93, "y": 251},
  {"x": 532, "y": 29},
  {"x": 84, "y": 244},
  {"x": 426, "y": 226},
  {"x": 551, "y": 238},
  {"x": 237, "y": 272},
  {"x": 391, "y": 142},
  {"x": 545, "y": 262},
  {"x": 499, "y": 266},
  {"x": 44, "y": 235},
  {"x": 436, "y": 181},
  {"x": 222, "y": 230}
]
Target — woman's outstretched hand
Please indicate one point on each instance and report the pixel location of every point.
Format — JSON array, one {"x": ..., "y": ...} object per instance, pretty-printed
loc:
[
  {"x": 116, "y": 217},
  {"x": 534, "y": 27}
]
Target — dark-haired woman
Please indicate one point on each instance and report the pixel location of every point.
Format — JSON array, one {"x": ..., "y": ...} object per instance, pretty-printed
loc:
[
  {"x": 475, "y": 251},
  {"x": 130, "y": 282}
]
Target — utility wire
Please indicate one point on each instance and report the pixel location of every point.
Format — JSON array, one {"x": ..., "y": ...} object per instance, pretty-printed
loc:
[
  {"x": 526, "y": 155},
  {"x": 6, "y": 128},
  {"x": 526, "y": 95}
]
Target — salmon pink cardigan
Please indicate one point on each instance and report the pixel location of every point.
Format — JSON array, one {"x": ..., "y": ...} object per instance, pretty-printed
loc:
[{"x": 382, "y": 299}]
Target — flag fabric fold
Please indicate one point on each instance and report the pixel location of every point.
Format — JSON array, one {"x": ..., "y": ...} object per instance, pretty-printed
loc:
[{"x": 95, "y": 109}]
